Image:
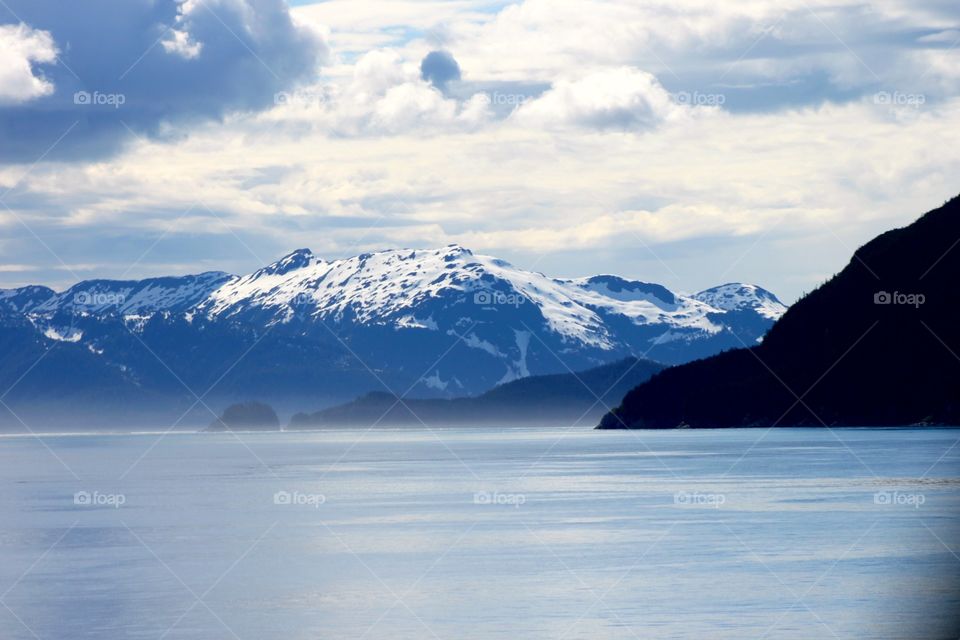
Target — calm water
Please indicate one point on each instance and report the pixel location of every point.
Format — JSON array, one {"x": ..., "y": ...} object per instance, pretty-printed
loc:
[{"x": 481, "y": 534}]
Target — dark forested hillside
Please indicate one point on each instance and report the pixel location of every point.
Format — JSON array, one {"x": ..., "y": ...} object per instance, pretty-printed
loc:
[{"x": 878, "y": 344}]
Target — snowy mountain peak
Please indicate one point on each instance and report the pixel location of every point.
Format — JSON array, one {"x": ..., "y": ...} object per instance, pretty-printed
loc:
[
  {"x": 456, "y": 249},
  {"x": 371, "y": 287},
  {"x": 737, "y": 296},
  {"x": 291, "y": 262}
]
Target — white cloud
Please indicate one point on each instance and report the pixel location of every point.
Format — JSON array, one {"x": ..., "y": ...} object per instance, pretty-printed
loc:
[
  {"x": 20, "y": 48},
  {"x": 180, "y": 43},
  {"x": 617, "y": 98},
  {"x": 385, "y": 95},
  {"x": 376, "y": 72},
  {"x": 404, "y": 106}
]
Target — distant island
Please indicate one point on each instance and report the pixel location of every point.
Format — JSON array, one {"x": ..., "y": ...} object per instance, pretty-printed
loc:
[
  {"x": 556, "y": 400},
  {"x": 877, "y": 345},
  {"x": 246, "y": 416}
]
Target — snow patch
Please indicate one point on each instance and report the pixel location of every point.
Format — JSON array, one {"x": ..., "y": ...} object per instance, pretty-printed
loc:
[
  {"x": 63, "y": 335},
  {"x": 411, "y": 322},
  {"x": 523, "y": 342},
  {"x": 472, "y": 341}
]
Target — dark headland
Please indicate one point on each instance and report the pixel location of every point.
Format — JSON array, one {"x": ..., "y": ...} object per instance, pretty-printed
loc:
[{"x": 876, "y": 345}]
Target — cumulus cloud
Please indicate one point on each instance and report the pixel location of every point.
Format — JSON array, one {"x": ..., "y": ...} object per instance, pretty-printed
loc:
[
  {"x": 20, "y": 48},
  {"x": 142, "y": 67},
  {"x": 406, "y": 105},
  {"x": 375, "y": 72},
  {"x": 181, "y": 43},
  {"x": 619, "y": 98},
  {"x": 384, "y": 95},
  {"x": 439, "y": 68}
]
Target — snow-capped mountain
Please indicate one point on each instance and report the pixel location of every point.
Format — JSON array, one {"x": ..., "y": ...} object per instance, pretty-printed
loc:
[
  {"x": 425, "y": 322},
  {"x": 442, "y": 289},
  {"x": 738, "y": 297}
]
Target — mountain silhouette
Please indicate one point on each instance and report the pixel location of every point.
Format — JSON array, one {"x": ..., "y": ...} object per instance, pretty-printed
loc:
[
  {"x": 558, "y": 400},
  {"x": 876, "y": 345}
]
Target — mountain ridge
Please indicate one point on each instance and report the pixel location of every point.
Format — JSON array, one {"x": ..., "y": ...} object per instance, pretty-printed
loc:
[{"x": 443, "y": 322}]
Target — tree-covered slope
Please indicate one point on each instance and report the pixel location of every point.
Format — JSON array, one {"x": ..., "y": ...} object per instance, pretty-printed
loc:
[{"x": 878, "y": 344}]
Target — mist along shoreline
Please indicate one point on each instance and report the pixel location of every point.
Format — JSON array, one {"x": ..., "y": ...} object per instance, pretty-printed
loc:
[{"x": 189, "y": 431}]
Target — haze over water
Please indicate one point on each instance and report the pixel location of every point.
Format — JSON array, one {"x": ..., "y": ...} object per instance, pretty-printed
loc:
[{"x": 481, "y": 534}]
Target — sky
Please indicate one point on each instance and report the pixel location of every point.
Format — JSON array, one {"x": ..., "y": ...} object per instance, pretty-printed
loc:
[{"x": 684, "y": 142}]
